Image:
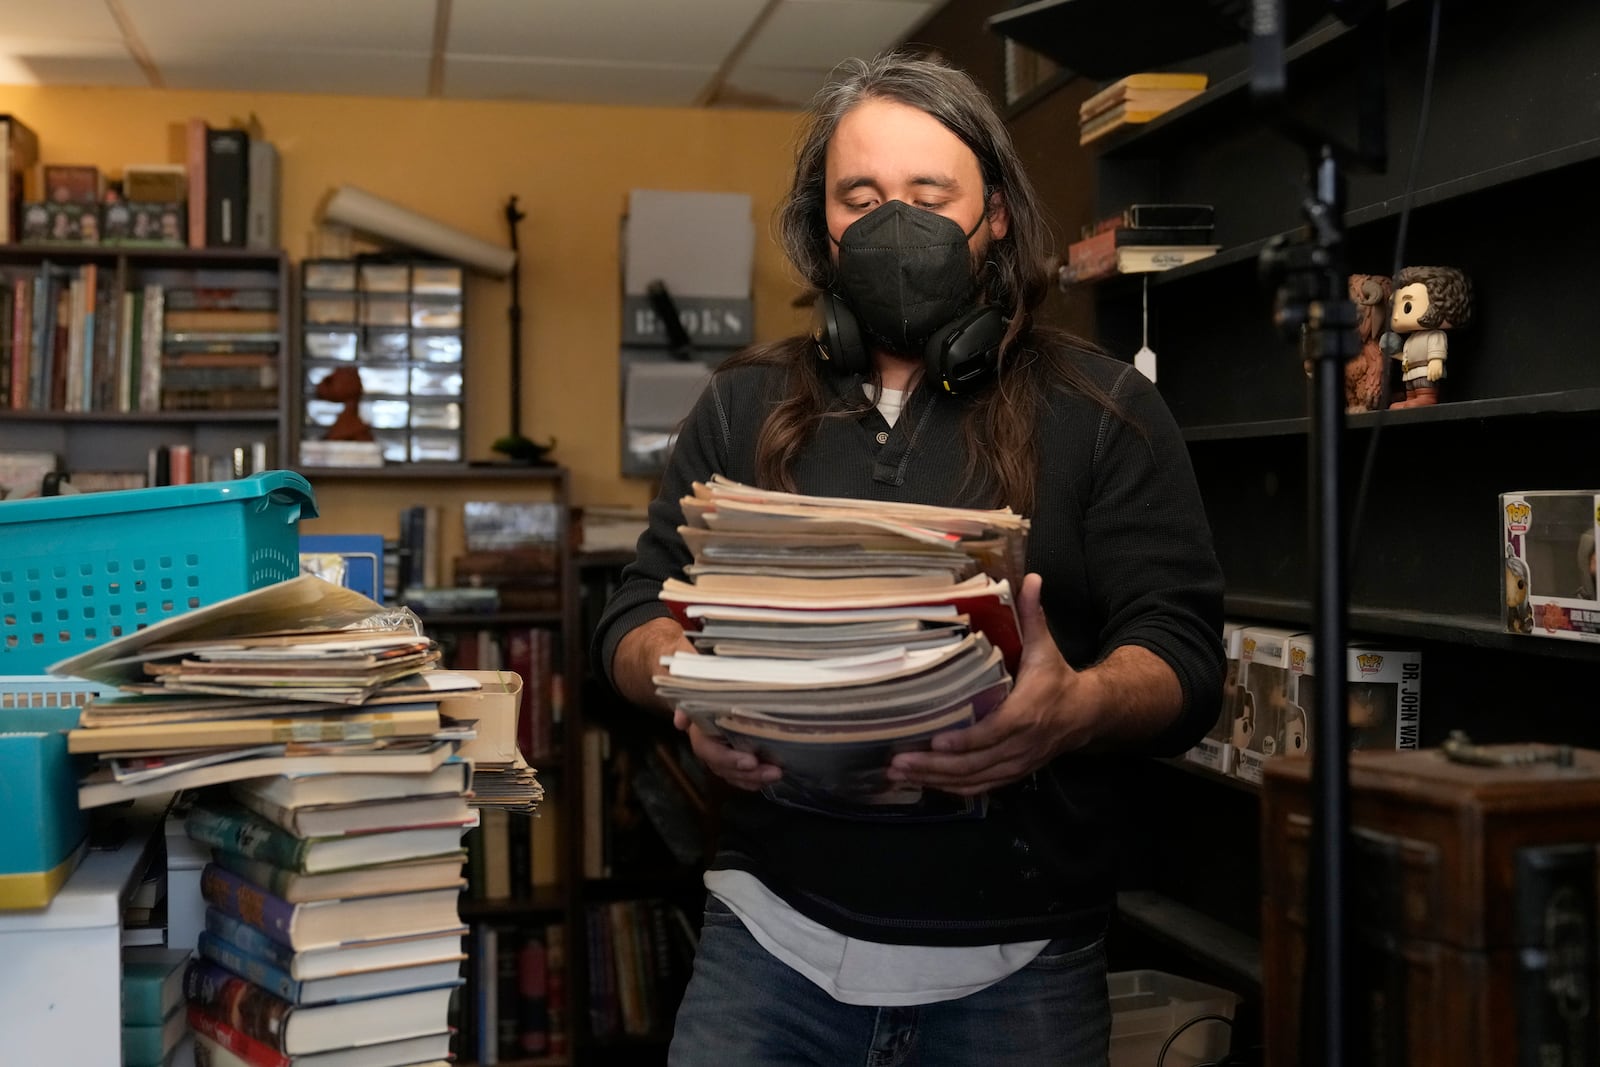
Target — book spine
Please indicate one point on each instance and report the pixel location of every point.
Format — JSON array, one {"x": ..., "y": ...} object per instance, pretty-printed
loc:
[
  {"x": 234, "y": 896},
  {"x": 275, "y": 880},
  {"x": 195, "y": 147},
  {"x": 254, "y": 968},
  {"x": 249, "y": 940},
  {"x": 141, "y": 998},
  {"x": 258, "y": 1014},
  {"x": 227, "y": 192},
  {"x": 246, "y": 835},
  {"x": 245, "y": 1048}
]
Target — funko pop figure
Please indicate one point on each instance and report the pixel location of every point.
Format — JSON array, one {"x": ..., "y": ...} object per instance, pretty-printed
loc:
[
  {"x": 1366, "y": 375},
  {"x": 1294, "y": 731},
  {"x": 1519, "y": 613},
  {"x": 1244, "y": 720},
  {"x": 1427, "y": 302}
]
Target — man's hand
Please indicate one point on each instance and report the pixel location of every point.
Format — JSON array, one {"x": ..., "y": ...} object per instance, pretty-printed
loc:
[
  {"x": 1050, "y": 710},
  {"x": 739, "y": 769},
  {"x": 1435, "y": 369}
]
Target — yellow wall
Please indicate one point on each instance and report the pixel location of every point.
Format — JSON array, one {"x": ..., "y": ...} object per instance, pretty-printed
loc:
[{"x": 457, "y": 161}]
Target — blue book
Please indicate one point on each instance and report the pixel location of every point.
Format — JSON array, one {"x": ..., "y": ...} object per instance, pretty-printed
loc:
[
  {"x": 152, "y": 984},
  {"x": 335, "y": 988},
  {"x": 152, "y": 1046}
]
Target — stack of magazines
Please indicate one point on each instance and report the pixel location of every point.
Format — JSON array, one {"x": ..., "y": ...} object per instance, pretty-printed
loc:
[{"x": 831, "y": 634}]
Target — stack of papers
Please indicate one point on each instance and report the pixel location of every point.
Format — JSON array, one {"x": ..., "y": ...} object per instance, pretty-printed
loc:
[
  {"x": 830, "y": 634},
  {"x": 292, "y": 679}
]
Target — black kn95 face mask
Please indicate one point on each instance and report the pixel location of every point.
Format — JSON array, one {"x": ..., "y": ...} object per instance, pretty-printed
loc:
[{"x": 905, "y": 272}]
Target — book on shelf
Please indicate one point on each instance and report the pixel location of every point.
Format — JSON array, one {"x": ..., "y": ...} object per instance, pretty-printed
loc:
[
  {"x": 1142, "y": 82},
  {"x": 19, "y": 152}
]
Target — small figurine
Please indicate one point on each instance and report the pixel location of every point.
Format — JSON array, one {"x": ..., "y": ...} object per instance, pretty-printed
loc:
[
  {"x": 1244, "y": 719},
  {"x": 1519, "y": 613},
  {"x": 1366, "y": 375},
  {"x": 1427, "y": 302},
  {"x": 1294, "y": 731},
  {"x": 343, "y": 385}
]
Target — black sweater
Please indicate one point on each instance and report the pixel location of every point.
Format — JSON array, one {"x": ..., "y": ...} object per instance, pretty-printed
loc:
[{"x": 1120, "y": 538}]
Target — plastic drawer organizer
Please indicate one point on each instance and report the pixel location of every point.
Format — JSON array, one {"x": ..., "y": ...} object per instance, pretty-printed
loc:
[{"x": 77, "y": 571}]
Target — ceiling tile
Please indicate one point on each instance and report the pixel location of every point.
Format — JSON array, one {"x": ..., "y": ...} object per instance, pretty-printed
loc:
[
  {"x": 751, "y": 85},
  {"x": 58, "y": 62},
  {"x": 812, "y": 34},
  {"x": 282, "y": 25},
  {"x": 700, "y": 33},
  {"x": 357, "y": 73},
  {"x": 574, "y": 81},
  {"x": 62, "y": 20}
]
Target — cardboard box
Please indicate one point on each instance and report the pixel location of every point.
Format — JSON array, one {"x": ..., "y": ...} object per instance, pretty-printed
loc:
[
  {"x": 1548, "y": 541},
  {"x": 1215, "y": 749},
  {"x": 1264, "y": 668},
  {"x": 495, "y": 708},
  {"x": 143, "y": 223}
]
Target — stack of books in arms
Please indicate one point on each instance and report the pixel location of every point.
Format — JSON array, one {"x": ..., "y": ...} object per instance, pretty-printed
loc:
[
  {"x": 335, "y": 812},
  {"x": 831, "y": 634}
]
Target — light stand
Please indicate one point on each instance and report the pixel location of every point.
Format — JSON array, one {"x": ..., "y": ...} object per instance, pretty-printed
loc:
[{"x": 1312, "y": 306}]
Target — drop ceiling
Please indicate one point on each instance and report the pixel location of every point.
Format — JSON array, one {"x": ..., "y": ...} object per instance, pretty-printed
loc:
[{"x": 744, "y": 53}]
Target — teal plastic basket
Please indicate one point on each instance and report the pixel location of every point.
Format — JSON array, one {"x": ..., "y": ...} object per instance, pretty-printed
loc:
[{"x": 77, "y": 571}]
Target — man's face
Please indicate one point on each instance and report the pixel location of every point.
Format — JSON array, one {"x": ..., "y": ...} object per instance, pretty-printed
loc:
[
  {"x": 1410, "y": 304},
  {"x": 885, "y": 151}
]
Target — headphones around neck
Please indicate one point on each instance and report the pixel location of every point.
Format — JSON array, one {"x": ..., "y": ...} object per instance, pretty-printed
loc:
[{"x": 958, "y": 356}]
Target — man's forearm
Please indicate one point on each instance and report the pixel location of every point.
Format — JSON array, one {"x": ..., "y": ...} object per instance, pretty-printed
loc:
[
  {"x": 1135, "y": 695},
  {"x": 638, "y": 659}
]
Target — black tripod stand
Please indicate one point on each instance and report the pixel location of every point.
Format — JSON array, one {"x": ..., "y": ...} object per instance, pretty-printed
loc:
[{"x": 1313, "y": 308}]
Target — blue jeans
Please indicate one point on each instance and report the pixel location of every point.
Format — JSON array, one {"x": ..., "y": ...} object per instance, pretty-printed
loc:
[{"x": 746, "y": 1008}]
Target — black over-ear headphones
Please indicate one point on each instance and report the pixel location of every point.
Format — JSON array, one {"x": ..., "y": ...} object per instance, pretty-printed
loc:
[{"x": 958, "y": 356}]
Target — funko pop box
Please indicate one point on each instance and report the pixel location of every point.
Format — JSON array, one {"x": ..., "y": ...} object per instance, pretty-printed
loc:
[
  {"x": 1215, "y": 749},
  {"x": 1548, "y": 541},
  {"x": 1383, "y": 697},
  {"x": 1264, "y": 683}
]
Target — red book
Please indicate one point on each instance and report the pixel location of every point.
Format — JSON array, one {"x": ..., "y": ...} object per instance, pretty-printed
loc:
[{"x": 246, "y": 1048}]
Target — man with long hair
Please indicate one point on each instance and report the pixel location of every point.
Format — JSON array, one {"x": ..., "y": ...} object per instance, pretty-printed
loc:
[{"x": 833, "y": 941}]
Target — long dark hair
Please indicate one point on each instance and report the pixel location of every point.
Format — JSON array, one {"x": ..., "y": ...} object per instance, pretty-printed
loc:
[{"x": 999, "y": 424}]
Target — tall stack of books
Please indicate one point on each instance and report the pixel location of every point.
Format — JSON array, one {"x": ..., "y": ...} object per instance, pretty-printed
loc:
[
  {"x": 833, "y": 633},
  {"x": 335, "y": 817},
  {"x": 1134, "y": 100}
]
